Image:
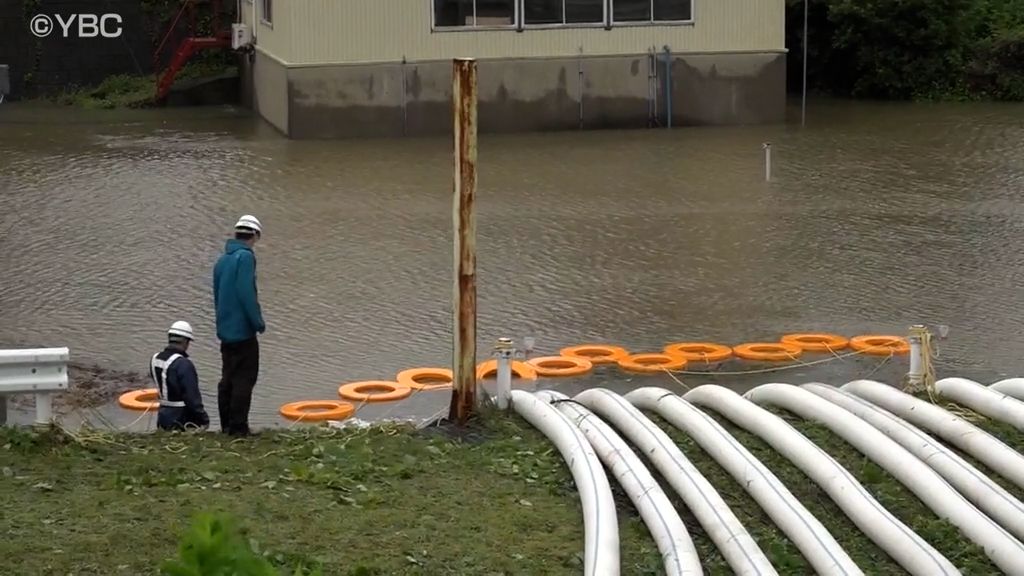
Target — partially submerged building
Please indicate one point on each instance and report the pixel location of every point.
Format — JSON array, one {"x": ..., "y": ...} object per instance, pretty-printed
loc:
[{"x": 344, "y": 68}]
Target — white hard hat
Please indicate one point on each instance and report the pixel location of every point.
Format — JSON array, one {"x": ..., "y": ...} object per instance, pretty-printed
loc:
[
  {"x": 249, "y": 222},
  {"x": 181, "y": 328}
]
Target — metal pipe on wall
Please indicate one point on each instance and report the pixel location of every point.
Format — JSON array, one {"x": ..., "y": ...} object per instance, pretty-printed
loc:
[
  {"x": 668, "y": 85},
  {"x": 580, "y": 65},
  {"x": 405, "y": 108}
]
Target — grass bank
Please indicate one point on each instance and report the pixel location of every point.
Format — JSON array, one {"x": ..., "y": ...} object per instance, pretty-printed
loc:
[
  {"x": 132, "y": 91},
  {"x": 496, "y": 499}
]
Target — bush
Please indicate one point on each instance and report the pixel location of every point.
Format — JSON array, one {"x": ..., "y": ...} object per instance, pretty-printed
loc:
[{"x": 214, "y": 546}]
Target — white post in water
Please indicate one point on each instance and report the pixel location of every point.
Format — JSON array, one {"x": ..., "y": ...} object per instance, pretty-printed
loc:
[
  {"x": 767, "y": 161},
  {"x": 915, "y": 378},
  {"x": 505, "y": 351}
]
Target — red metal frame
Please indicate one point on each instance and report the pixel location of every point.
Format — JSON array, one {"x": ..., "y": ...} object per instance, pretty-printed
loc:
[{"x": 188, "y": 46}]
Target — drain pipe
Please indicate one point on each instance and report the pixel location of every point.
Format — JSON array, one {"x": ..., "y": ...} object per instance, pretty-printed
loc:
[
  {"x": 504, "y": 351},
  {"x": 600, "y": 520},
  {"x": 986, "y": 494},
  {"x": 958, "y": 432},
  {"x": 929, "y": 486},
  {"x": 905, "y": 546},
  {"x": 668, "y": 84},
  {"x": 405, "y": 109},
  {"x": 663, "y": 522},
  {"x": 983, "y": 400},
  {"x": 580, "y": 65}
]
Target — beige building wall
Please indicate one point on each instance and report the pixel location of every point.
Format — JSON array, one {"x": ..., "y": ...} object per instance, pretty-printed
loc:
[
  {"x": 308, "y": 32},
  {"x": 356, "y": 68}
]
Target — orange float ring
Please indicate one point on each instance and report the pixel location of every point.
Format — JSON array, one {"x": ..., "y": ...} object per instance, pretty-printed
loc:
[
  {"x": 316, "y": 410},
  {"x": 652, "y": 363},
  {"x": 426, "y": 378},
  {"x": 768, "y": 351},
  {"x": 816, "y": 342},
  {"x": 374, "y": 391},
  {"x": 560, "y": 365},
  {"x": 596, "y": 353},
  {"x": 699, "y": 351},
  {"x": 143, "y": 400},
  {"x": 520, "y": 370},
  {"x": 880, "y": 345}
]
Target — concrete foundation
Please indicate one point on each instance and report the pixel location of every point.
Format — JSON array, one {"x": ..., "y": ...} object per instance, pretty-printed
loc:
[{"x": 394, "y": 99}]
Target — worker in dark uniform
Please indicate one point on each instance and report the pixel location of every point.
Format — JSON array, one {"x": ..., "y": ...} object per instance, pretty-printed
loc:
[{"x": 177, "y": 383}]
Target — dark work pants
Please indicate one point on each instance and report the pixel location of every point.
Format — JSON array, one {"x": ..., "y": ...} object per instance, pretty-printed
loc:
[{"x": 240, "y": 367}]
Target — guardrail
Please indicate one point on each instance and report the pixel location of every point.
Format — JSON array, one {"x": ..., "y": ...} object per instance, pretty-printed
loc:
[{"x": 39, "y": 371}]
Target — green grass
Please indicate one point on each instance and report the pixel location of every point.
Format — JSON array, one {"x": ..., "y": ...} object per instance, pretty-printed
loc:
[
  {"x": 494, "y": 499},
  {"x": 132, "y": 91},
  {"x": 378, "y": 501}
]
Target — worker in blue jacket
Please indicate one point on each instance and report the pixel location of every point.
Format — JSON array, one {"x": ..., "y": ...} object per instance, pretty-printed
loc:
[
  {"x": 177, "y": 383},
  {"x": 239, "y": 320}
]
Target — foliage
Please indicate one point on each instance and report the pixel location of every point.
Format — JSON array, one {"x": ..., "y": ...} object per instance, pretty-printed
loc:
[
  {"x": 911, "y": 49},
  {"x": 214, "y": 546}
]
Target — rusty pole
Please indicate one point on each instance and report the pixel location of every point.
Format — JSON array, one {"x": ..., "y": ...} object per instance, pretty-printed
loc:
[{"x": 464, "y": 297}]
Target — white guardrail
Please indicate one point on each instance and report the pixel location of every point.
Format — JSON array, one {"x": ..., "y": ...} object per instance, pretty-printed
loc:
[{"x": 39, "y": 371}]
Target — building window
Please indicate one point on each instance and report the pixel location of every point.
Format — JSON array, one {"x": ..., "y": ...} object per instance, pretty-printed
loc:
[
  {"x": 539, "y": 12},
  {"x": 518, "y": 13},
  {"x": 474, "y": 13},
  {"x": 652, "y": 10},
  {"x": 267, "y": 11}
]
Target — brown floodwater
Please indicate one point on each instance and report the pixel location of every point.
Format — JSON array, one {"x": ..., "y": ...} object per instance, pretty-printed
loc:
[{"x": 879, "y": 216}]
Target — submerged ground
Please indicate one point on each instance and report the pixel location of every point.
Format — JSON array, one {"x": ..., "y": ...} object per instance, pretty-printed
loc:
[{"x": 493, "y": 499}]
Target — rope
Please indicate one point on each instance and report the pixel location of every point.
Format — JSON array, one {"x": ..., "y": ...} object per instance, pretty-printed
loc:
[{"x": 798, "y": 364}]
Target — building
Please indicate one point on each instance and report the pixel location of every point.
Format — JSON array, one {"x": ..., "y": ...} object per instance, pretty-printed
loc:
[{"x": 351, "y": 68}]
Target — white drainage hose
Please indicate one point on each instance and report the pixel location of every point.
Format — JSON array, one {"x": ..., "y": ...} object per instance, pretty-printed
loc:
[
  {"x": 983, "y": 400},
  {"x": 988, "y": 495},
  {"x": 732, "y": 539},
  {"x": 813, "y": 540},
  {"x": 1011, "y": 387},
  {"x": 600, "y": 523},
  {"x": 895, "y": 538},
  {"x": 932, "y": 489},
  {"x": 662, "y": 520},
  {"x": 974, "y": 441}
]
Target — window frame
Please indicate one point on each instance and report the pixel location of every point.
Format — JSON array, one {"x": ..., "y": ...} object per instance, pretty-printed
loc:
[
  {"x": 602, "y": 24},
  {"x": 519, "y": 20},
  {"x": 652, "y": 22},
  {"x": 263, "y": 13},
  {"x": 516, "y": 18}
]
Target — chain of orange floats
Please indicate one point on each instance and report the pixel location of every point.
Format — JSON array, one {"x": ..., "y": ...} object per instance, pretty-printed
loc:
[{"x": 570, "y": 361}]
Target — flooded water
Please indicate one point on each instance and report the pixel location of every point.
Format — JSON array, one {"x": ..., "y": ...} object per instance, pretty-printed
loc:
[{"x": 878, "y": 216}]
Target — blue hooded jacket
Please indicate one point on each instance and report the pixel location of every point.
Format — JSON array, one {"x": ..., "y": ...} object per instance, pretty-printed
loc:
[{"x": 239, "y": 317}]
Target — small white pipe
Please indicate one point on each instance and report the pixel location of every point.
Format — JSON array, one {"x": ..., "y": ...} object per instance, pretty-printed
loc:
[
  {"x": 600, "y": 523},
  {"x": 977, "y": 443},
  {"x": 670, "y": 535},
  {"x": 983, "y": 400},
  {"x": 813, "y": 540},
  {"x": 504, "y": 385},
  {"x": 915, "y": 377},
  {"x": 932, "y": 489},
  {"x": 767, "y": 161},
  {"x": 988, "y": 495},
  {"x": 714, "y": 515},
  {"x": 44, "y": 409},
  {"x": 1011, "y": 387},
  {"x": 901, "y": 543}
]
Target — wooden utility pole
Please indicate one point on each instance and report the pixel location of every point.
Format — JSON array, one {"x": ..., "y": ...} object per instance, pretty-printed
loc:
[{"x": 464, "y": 104}]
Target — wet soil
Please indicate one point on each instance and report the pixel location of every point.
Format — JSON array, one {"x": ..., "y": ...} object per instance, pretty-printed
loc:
[{"x": 89, "y": 385}]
